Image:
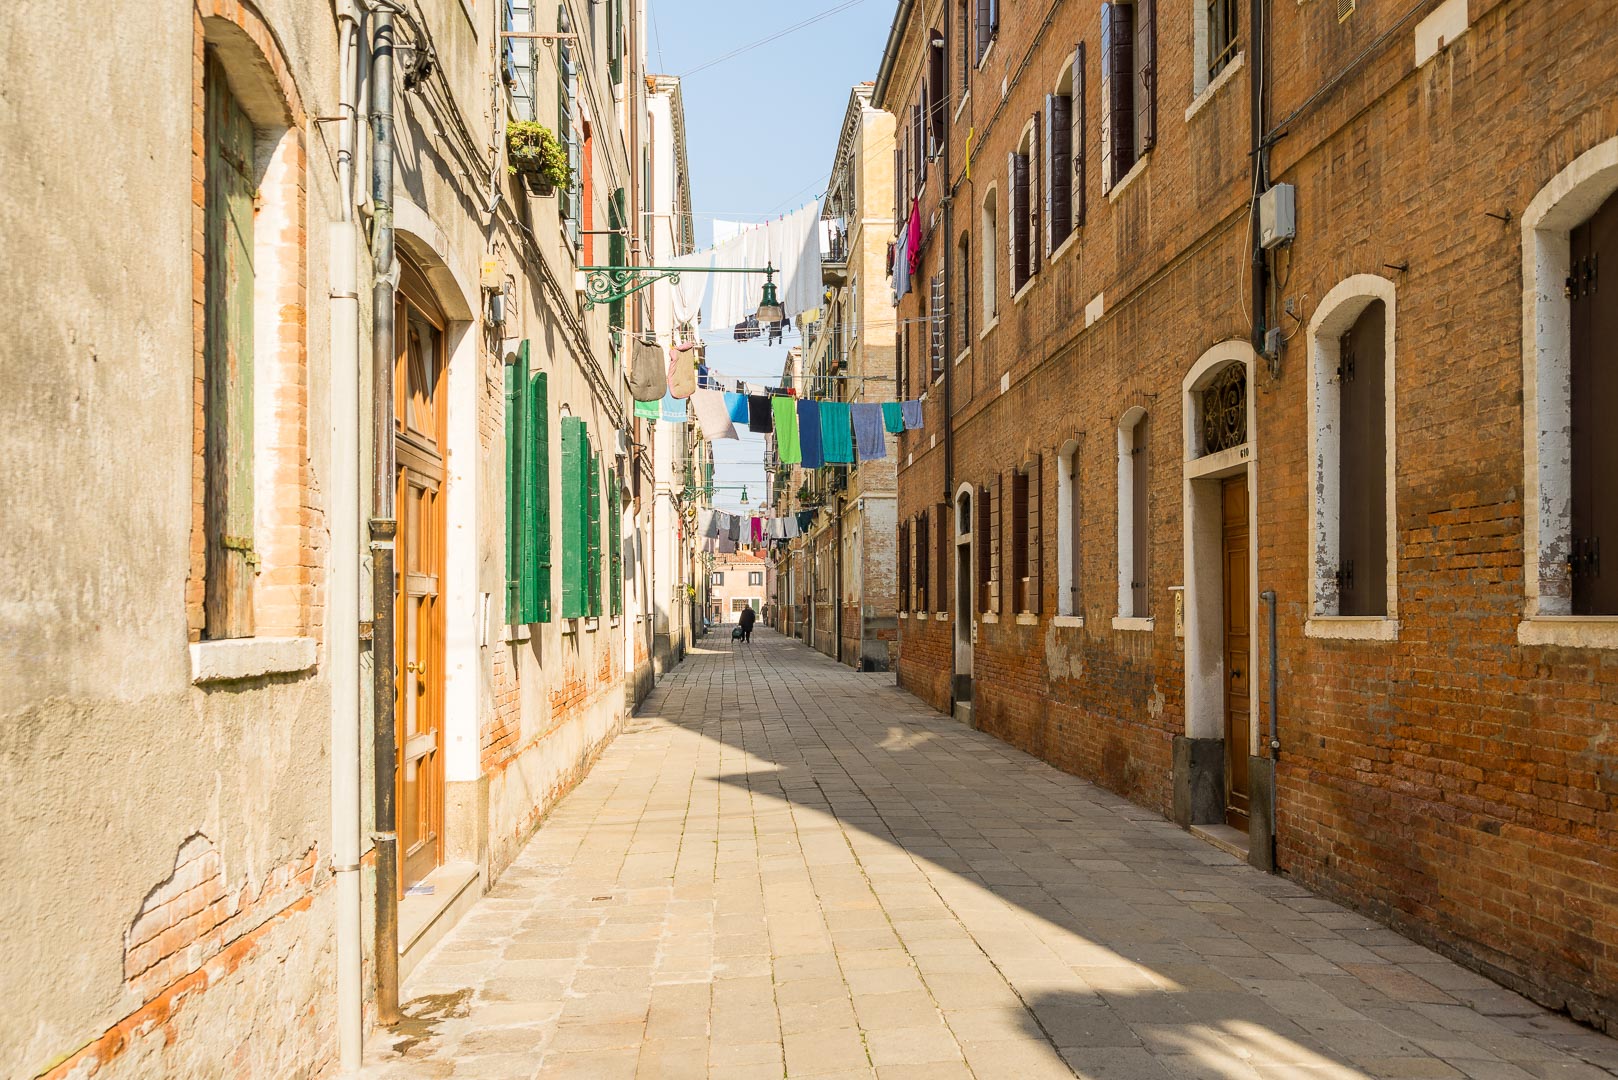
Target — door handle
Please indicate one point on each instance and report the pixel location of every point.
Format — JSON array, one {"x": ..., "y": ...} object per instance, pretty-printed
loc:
[{"x": 416, "y": 668}]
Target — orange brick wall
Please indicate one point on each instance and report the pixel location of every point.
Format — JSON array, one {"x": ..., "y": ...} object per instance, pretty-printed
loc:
[{"x": 1453, "y": 783}]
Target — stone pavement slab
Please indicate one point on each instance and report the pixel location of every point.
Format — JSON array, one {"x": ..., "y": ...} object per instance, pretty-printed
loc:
[{"x": 783, "y": 867}]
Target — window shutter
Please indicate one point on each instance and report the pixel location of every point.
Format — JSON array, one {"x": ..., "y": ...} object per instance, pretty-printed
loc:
[
  {"x": 944, "y": 542},
  {"x": 615, "y": 554},
  {"x": 615, "y": 44},
  {"x": 898, "y": 197},
  {"x": 1018, "y": 512},
  {"x": 980, "y": 543},
  {"x": 1117, "y": 92},
  {"x": 1035, "y": 232},
  {"x": 983, "y": 26},
  {"x": 923, "y": 564},
  {"x": 536, "y": 528},
  {"x": 1141, "y": 545},
  {"x": 1059, "y": 169},
  {"x": 995, "y": 491},
  {"x": 1017, "y": 211},
  {"x": 592, "y": 570},
  {"x": 574, "y": 524},
  {"x": 918, "y": 146},
  {"x": 1036, "y": 536},
  {"x": 516, "y": 490},
  {"x": 1146, "y": 35},
  {"x": 904, "y": 565},
  {"x": 1080, "y": 137},
  {"x": 937, "y": 328},
  {"x": 938, "y": 94},
  {"x": 1362, "y": 536},
  {"x": 230, "y": 559},
  {"x": 994, "y": 17},
  {"x": 617, "y": 253}
]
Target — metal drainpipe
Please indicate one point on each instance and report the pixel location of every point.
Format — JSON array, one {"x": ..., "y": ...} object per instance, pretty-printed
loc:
[
  {"x": 1256, "y": 108},
  {"x": 837, "y": 646},
  {"x": 1268, "y": 596},
  {"x": 384, "y": 526},
  {"x": 948, "y": 573}
]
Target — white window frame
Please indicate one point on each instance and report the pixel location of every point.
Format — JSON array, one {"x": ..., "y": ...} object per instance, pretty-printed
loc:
[
  {"x": 988, "y": 253},
  {"x": 1566, "y": 201},
  {"x": 1333, "y": 318},
  {"x": 1067, "y": 538},
  {"x": 1128, "y": 618}
]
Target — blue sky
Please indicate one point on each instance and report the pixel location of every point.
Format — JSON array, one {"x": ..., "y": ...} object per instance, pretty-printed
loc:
[{"x": 761, "y": 128}]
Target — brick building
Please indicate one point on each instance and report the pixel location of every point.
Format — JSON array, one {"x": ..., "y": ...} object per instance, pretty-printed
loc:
[
  {"x": 846, "y": 585},
  {"x": 1155, "y": 418}
]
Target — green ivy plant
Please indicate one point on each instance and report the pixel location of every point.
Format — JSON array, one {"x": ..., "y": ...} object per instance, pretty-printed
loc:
[{"x": 531, "y": 148}]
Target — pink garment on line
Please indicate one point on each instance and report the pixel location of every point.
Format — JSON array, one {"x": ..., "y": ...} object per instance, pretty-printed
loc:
[
  {"x": 758, "y": 531},
  {"x": 913, "y": 239}
]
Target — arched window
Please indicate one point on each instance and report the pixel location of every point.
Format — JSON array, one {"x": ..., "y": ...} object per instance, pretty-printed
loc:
[
  {"x": 1064, "y": 164},
  {"x": 1133, "y": 522},
  {"x": 1570, "y": 394},
  {"x": 1022, "y": 208},
  {"x": 988, "y": 249},
  {"x": 1351, "y": 340}
]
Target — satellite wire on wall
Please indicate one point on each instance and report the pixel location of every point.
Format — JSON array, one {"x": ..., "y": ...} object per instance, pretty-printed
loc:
[{"x": 773, "y": 37}]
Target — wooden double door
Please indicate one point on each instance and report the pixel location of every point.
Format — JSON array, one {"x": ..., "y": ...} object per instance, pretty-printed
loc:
[
  {"x": 419, "y": 436},
  {"x": 1236, "y": 547}
]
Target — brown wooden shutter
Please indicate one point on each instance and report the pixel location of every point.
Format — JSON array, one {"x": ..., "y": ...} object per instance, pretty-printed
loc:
[
  {"x": 1117, "y": 92},
  {"x": 944, "y": 543},
  {"x": 982, "y": 25},
  {"x": 994, "y": 17},
  {"x": 231, "y": 560},
  {"x": 938, "y": 92},
  {"x": 1036, "y": 536},
  {"x": 918, "y": 148},
  {"x": 1058, "y": 170},
  {"x": 996, "y": 490},
  {"x": 980, "y": 544},
  {"x": 1146, "y": 35},
  {"x": 1019, "y": 540},
  {"x": 1594, "y": 390},
  {"x": 904, "y": 565},
  {"x": 1017, "y": 210},
  {"x": 1036, "y": 235},
  {"x": 1141, "y": 547},
  {"x": 923, "y": 598},
  {"x": 1363, "y": 515},
  {"x": 1080, "y": 137}
]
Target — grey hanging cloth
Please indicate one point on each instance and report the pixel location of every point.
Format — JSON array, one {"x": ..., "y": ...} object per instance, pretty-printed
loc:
[
  {"x": 759, "y": 417},
  {"x": 648, "y": 377}
]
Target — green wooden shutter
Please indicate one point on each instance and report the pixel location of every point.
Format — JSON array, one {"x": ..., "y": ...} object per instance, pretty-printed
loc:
[
  {"x": 615, "y": 541},
  {"x": 593, "y": 558},
  {"x": 516, "y": 381},
  {"x": 617, "y": 252},
  {"x": 228, "y": 361},
  {"x": 537, "y": 520},
  {"x": 574, "y": 451}
]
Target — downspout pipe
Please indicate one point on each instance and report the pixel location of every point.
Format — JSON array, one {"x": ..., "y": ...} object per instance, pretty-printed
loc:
[
  {"x": 1268, "y": 596},
  {"x": 1260, "y": 267},
  {"x": 947, "y": 197},
  {"x": 343, "y": 646},
  {"x": 384, "y": 524}
]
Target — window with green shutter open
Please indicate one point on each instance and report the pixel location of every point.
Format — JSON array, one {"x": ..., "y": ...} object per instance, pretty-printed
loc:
[
  {"x": 575, "y": 517},
  {"x": 528, "y": 493},
  {"x": 615, "y": 541},
  {"x": 592, "y": 568}
]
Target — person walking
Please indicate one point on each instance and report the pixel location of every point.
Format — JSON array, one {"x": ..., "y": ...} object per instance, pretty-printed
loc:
[{"x": 748, "y": 617}]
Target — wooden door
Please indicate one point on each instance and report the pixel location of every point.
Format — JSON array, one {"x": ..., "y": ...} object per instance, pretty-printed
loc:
[
  {"x": 418, "y": 571},
  {"x": 1237, "y": 649}
]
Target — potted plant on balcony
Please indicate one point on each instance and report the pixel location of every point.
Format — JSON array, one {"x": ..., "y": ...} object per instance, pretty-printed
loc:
[{"x": 538, "y": 156}]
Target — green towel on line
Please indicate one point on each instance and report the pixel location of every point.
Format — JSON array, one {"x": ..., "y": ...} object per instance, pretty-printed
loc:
[
  {"x": 893, "y": 417},
  {"x": 785, "y": 412},
  {"x": 836, "y": 434}
]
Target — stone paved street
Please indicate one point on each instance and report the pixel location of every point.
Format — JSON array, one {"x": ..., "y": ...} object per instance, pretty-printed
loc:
[{"x": 783, "y": 867}]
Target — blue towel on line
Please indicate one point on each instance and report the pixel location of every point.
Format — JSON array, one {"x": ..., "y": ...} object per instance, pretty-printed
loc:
[
  {"x": 736, "y": 406},
  {"x": 809, "y": 435},
  {"x": 868, "y": 436},
  {"x": 912, "y": 414}
]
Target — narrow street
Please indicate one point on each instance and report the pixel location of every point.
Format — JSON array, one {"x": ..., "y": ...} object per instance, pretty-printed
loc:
[{"x": 784, "y": 867}]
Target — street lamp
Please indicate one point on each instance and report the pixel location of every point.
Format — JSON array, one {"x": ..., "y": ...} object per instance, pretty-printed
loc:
[
  {"x": 606, "y": 284},
  {"x": 769, "y": 308}
]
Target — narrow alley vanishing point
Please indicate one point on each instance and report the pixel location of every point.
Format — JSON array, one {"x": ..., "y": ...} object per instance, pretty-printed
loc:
[{"x": 783, "y": 865}]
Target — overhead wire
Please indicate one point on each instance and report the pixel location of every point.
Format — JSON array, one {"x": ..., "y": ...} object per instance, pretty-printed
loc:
[{"x": 795, "y": 27}]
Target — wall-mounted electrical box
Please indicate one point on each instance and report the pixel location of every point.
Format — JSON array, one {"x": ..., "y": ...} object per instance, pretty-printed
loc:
[{"x": 1277, "y": 216}]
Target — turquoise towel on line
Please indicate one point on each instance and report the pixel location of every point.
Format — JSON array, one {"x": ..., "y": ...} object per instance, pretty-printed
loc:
[
  {"x": 836, "y": 435},
  {"x": 893, "y": 417},
  {"x": 736, "y": 405}
]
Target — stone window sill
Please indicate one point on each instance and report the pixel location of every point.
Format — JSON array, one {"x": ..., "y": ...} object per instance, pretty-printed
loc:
[
  {"x": 1072, "y": 622},
  {"x": 1570, "y": 631},
  {"x": 232, "y": 659},
  {"x": 1027, "y": 286},
  {"x": 1214, "y": 87},
  {"x": 940, "y": 616},
  {"x": 1128, "y": 177},
  {"x": 1065, "y": 246},
  {"x": 519, "y": 632},
  {"x": 989, "y": 326},
  {"x": 990, "y": 617},
  {"x": 1352, "y": 628},
  {"x": 1120, "y": 622},
  {"x": 1027, "y": 618}
]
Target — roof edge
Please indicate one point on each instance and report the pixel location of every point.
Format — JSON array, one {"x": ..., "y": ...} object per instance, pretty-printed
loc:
[{"x": 901, "y": 23}]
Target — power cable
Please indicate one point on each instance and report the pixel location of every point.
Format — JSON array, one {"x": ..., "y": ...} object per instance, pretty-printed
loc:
[{"x": 773, "y": 37}]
